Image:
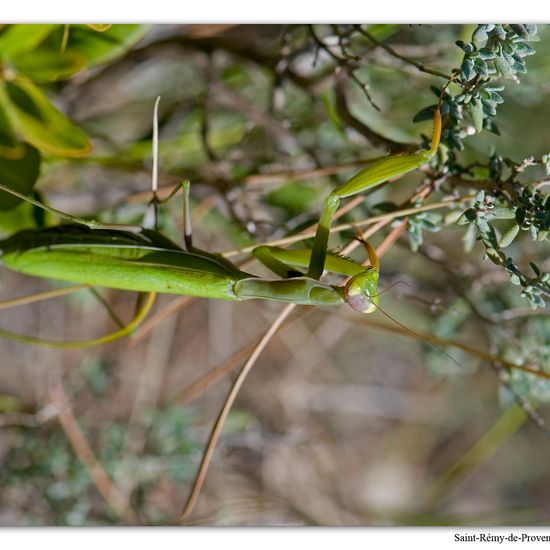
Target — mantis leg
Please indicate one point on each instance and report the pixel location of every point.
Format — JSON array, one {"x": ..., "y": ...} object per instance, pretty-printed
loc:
[
  {"x": 92, "y": 224},
  {"x": 375, "y": 174},
  {"x": 187, "y": 227},
  {"x": 140, "y": 315},
  {"x": 283, "y": 261},
  {"x": 268, "y": 256},
  {"x": 360, "y": 291}
]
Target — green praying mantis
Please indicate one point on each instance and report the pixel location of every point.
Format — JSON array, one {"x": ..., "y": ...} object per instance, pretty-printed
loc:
[{"x": 140, "y": 259}]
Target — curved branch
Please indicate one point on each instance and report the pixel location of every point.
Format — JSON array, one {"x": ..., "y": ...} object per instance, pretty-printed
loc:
[{"x": 376, "y": 139}]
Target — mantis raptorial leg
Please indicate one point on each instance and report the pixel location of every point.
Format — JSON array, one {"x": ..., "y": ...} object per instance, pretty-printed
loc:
[{"x": 375, "y": 174}]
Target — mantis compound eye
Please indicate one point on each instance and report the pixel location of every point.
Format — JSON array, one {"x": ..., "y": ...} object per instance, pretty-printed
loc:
[{"x": 361, "y": 291}]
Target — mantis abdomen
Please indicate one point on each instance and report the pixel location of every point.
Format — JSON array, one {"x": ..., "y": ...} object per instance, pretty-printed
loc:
[
  {"x": 149, "y": 262},
  {"x": 116, "y": 259}
]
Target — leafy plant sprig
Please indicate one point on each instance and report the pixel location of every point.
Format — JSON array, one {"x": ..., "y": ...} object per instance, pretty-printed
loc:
[
  {"x": 531, "y": 213},
  {"x": 495, "y": 52}
]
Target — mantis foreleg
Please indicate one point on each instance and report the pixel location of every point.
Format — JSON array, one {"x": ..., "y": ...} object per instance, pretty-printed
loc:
[{"x": 373, "y": 175}]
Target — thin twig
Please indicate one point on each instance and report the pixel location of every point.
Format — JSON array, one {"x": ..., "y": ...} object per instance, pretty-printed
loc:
[
  {"x": 527, "y": 408},
  {"x": 110, "y": 311},
  {"x": 392, "y": 237},
  {"x": 349, "y": 66},
  {"x": 430, "y": 338},
  {"x": 310, "y": 173},
  {"x": 346, "y": 226},
  {"x": 172, "y": 307},
  {"x": 408, "y": 60}
]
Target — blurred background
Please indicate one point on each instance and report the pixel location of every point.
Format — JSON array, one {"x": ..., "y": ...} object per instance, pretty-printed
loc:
[{"x": 339, "y": 422}]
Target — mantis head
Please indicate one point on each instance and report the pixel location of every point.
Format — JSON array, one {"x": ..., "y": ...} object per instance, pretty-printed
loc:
[{"x": 361, "y": 291}]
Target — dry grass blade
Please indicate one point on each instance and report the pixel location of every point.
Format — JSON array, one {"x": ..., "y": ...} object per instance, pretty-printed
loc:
[
  {"x": 40, "y": 296},
  {"x": 196, "y": 388},
  {"x": 345, "y": 226},
  {"x": 233, "y": 392}
]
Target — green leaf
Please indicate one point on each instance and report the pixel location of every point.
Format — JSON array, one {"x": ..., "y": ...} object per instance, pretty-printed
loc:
[
  {"x": 535, "y": 268},
  {"x": 467, "y": 216},
  {"x": 486, "y": 54},
  {"x": 480, "y": 34},
  {"x": 293, "y": 197},
  {"x": 100, "y": 27},
  {"x": 509, "y": 235},
  {"x": 500, "y": 32},
  {"x": 531, "y": 29},
  {"x": 49, "y": 65},
  {"x": 101, "y": 47},
  {"x": 535, "y": 300},
  {"x": 39, "y": 122},
  {"x": 18, "y": 39},
  {"x": 17, "y": 218},
  {"x": 19, "y": 174},
  {"x": 332, "y": 113},
  {"x": 488, "y": 107},
  {"x": 425, "y": 114},
  {"x": 524, "y": 50},
  {"x": 9, "y": 146},
  {"x": 496, "y": 256},
  {"x": 502, "y": 66},
  {"x": 481, "y": 68},
  {"x": 475, "y": 109},
  {"x": 469, "y": 238},
  {"x": 467, "y": 69},
  {"x": 502, "y": 213}
]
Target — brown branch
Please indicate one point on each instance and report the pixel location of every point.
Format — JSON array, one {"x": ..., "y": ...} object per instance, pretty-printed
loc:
[
  {"x": 345, "y": 64},
  {"x": 408, "y": 60},
  {"x": 350, "y": 120},
  {"x": 85, "y": 454}
]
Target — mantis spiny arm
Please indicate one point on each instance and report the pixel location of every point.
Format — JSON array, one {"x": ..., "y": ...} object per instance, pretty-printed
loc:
[{"x": 373, "y": 175}]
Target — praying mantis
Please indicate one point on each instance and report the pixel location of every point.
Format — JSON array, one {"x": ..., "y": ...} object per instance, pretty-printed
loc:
[{"x": 140, "y": 259}]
